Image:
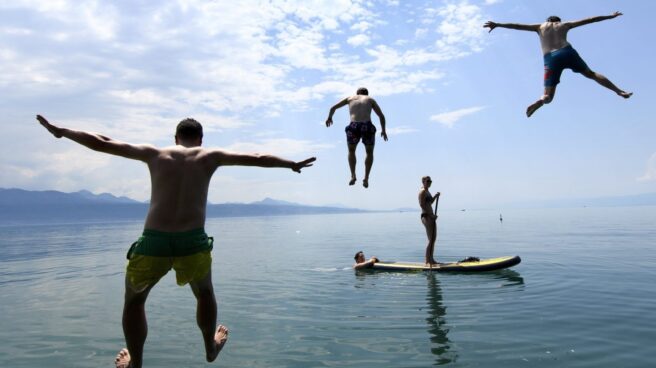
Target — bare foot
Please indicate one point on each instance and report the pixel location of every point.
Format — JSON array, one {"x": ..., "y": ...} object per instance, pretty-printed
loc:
[
  {"x": 220, "y": 338},
  {"x": 625, "y": 94},
  {"x": 353, "y": 180},
  {"x": 365, "y": 183},
  {"x": 122, "y": 359},
  {"x": 533, "y": 107}
]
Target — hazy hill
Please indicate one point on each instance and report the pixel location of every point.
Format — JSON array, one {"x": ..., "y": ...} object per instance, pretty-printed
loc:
[
  {"x": 51, "y": 197},
  {"x": 24, "y": 206}
]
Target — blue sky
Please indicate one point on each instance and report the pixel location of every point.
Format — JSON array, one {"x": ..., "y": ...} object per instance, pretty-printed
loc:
[{"x": 261, "y": 77}]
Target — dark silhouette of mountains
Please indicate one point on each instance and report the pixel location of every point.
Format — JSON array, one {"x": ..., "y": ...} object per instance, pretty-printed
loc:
[
  {"x": 24, "y": 206},
  {"x": 51, "y": 197}
]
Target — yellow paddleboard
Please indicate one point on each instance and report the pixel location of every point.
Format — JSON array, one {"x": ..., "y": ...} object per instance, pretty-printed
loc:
[{"x": 489, "y": 264}]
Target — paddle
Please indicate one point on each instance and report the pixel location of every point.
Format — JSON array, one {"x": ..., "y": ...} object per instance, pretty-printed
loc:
[{"x": 437, "y": 200}]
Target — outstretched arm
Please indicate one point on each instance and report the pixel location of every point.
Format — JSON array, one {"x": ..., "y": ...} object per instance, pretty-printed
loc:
[
  {"x": 520, "y": 27},
  {"x": 97, "y": 142},
  {"x": 379, "y": 112},
  {"x": 225, "y": 158},
  {"x": 585, "y": 21},
  {"x": 341, "y": 103}
]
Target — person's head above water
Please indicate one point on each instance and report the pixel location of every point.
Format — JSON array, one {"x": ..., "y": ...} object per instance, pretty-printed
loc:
[
  {"x": 359, "y": 257},
  {"x": 362, "y": 91},
  {"x": 553, "y": 19},
  {"x": 189, "y": 133}
]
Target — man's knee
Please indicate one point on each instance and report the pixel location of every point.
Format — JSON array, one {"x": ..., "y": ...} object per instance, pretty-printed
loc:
[
  {"x": 134, "y": 296},
  {"x": 135, "y": 299},
  {"x": 369, "y": 149},
  {"x": 203, "y": 289},
  {"x": 549, "y": 93}
]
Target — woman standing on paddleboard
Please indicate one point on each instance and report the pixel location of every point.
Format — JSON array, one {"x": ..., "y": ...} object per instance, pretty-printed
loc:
[{"x": 428, "y": 217}]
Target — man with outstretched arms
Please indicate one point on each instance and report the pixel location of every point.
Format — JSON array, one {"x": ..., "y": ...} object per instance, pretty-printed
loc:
[
  {"x": 560, "y": 55},
  {"x": 361, "y": 127},
  {"x": 174, "y": 235},
  {"x": 428, "y": 218}
]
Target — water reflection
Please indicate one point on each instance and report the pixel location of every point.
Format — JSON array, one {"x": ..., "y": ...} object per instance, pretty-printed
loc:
[
  {"x": 443, "y": 349},
  {"x": 511, "y": 276},
  {"x": 441, "y": 346},
  {"x": 437, "y": 328}
]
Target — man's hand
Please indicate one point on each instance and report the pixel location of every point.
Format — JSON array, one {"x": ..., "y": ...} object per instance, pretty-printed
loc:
[
  {"x": 491, "y": 25},
  {"x": 56, "y": 131},
  {"x": 329, "y": 122},
  {"x": 384, "y": 135},
  {"x": 302, "y": 164},
  {"x": 616, "y": 14}
]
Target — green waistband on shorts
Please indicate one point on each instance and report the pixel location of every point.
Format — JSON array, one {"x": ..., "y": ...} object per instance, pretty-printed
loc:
[{"x": 171, "y": 244}]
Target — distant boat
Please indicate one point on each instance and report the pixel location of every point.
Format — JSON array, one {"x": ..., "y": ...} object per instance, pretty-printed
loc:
[{"x": 463, "y": 210}]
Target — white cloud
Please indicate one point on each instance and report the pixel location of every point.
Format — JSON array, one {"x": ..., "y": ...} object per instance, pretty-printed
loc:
[
  {"x": 285, "y": 147},
  {"x": 402, "y": 129},
  {"x": 16, "y": 31},
  {"x": 460, "y": 27},
  {"x": 358, "y": 40},
  {"x": 302, "y": 47},
  {"x": 449, "y": 118},
  {"x": 650, "y": 171},
  {"x": 362, "y": 26}
]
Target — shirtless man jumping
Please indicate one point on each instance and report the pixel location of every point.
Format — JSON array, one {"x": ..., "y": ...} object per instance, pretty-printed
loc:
[
  {"x": 360, "y": 107},
  {"x": 559, "y": 54},
  {"x": 174, "y": 235},
  {"x": 428, "y": 218}
]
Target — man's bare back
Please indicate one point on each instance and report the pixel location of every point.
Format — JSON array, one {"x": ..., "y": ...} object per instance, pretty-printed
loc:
[
  {"x": 360, "y": 107},
  {"x": 553, "y": 36},
  {"x": 180, "y": 179}
]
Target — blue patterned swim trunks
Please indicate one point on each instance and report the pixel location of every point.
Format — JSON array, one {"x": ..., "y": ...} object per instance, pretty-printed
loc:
[
  {"x": 364, "y": 130},
  {"x": 557, "y": 61}
]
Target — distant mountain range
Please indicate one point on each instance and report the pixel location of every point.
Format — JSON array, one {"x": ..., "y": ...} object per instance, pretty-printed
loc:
[
  {"x": 52, "y": 197},
  {"x": 24, "y": 206}
]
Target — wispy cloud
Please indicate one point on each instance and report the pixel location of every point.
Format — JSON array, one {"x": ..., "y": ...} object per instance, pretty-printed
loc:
[
  {"x": 358, "y": 40},
  {"x": 280, "y": 146},
  {"x": 179, "y": 54},
  {"x": 401, "y": 129},
  {"x": 650, "y": 171},
  {"x": 449, "y": 118}
]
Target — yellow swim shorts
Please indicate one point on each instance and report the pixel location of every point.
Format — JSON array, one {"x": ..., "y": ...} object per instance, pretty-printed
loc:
[{"x": 155, "y": 253}]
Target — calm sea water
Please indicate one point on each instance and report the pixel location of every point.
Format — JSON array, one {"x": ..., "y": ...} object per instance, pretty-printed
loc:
[{"x": 583, "y": 295}]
